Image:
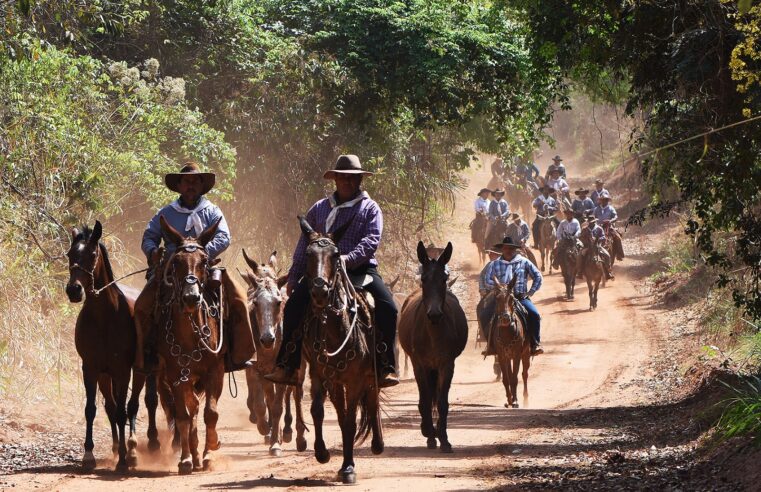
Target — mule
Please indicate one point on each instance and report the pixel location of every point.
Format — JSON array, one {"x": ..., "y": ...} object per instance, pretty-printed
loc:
[
  {"x": 433, "y": 330},
  {"x": 592, "y": 266},
  {"x": 568, "y": 260},
  {"x": 496, "y": 233},
  {"x": 512, "y": 342},
  {"x": 546, "y": 240},
  {"x": 339, "y": 342},
  {"x": 194, "y": 348},
  {"x": 266, "y": 399},
  {"x": 478, "y": 235},
  {"x": 105, "y": 339}
]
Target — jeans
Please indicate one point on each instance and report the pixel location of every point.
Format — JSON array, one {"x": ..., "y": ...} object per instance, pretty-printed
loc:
[
  {"x": 534, "y": 319},
  {"x": 485, "y": 313}
]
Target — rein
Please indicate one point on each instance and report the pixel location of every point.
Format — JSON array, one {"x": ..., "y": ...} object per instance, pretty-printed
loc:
[{"x": 91, "y": 273}]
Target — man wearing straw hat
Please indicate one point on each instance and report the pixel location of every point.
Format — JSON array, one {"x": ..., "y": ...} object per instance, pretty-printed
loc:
[
  {"x": 349, "y": 204},
  {"x": 190, "y": 215},
  {"x": 582, "y": 205}
]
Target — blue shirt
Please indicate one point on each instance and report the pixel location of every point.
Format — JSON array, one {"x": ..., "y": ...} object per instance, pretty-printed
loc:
[
  {"x": 498, "y": 208},
  {"x": 210, "y": 214},
  {"x": 595, "y": 196},
  {"x": 582, "y": 206},
  {"x": 528, "y": 171},
  {"x": 545, "y": 206},
  {"x": 504, "y": 270},
  {"x": 605, "y": 213},
  {"x": 518, "y": 232}
]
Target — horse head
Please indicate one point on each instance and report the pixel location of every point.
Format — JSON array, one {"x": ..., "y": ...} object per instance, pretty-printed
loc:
[
  {"x": 265, "y": 298},
  {"x": 434, "y": 280},
  {"x": 84, "y": 261},
  {"x": 505, "y": 302},
  {"x": 322, "y": 262},
  {"x": 186, "y": 270}
]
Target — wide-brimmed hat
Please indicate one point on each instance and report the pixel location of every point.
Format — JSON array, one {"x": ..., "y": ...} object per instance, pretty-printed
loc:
[
  {"x": 507, "y": 241},
  {"x": 484, "y": 190},
  {"x": 346, "y": 164},
  {"x": 598, "y": 181},
  {"x": 568, "y": 210},
  {"x": 515, "y": 216},
  {"x": 432, "y": 251},
  {"x": 498, "y": 191},
  {"x": 172, "y": 180},
  {"x": 581, "y": 191},
  {"x": 605, "y": 195},
  {"x": 591, "y": 219},
  {"x": 557, "y": 158}
]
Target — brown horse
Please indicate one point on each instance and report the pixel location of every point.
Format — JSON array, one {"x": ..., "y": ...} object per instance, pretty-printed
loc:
[
  {"x": 512, "y": 342},
  {"x": 546, "y": 240},
  {"x": 568, "y": 260},
  {"x": 433, "y": 330},
  {"x": 265, "y": 399},
  {"x": 194, "y": 348},
  {"x": 339, "y": 344},
  {"x": 592, "y": 266},
  {"x": 478, "y": 235},
  {"x": 105, "y": 339}
]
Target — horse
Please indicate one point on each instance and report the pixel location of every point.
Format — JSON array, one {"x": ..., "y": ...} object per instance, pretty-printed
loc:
[
  {"x": 265, "y": 399},
  {"x": 478, "y": 234},
  {"x": 496, "y": 233},
  {"x": 592, "y": 266},
  {"x": 546, "y": 240},
  {"x": 567, "y": 259},
  {"x": 433, "y": 330},
  {"x": 105, "y": 339},
  {"x": 511, "y": 341},
  {"x": 613, "y": 243},
  {"x": 339, "y": 342},
  {"x": 193, "y": 355}
]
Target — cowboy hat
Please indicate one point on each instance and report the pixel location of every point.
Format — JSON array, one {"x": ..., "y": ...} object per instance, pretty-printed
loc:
[
  {"x": 568, "y": 211},
  {"x": 605, "y": 196},
  {"x": 498, "y": 191},
  {"x": 515, "y": 216},
  {"x": 591, "y": 219},
  {"x": 484, "y": 190},
  {"x": 599, "y": 181},
  {"x": 172, "y": 180},
  {"x": 557, "y": 158},
  {"x": 581, "y": 191},
  {"x": 432, "y": 251},
  {"x": 346, "y": 164},
  {"x": 507, "y": 242}
]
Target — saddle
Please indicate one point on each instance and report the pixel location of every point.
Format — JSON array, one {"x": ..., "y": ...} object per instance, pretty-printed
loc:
[{"x": 360, "y": 281}]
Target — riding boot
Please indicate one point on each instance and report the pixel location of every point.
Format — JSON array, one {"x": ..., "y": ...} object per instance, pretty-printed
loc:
[{"x": 386, "y": 362}]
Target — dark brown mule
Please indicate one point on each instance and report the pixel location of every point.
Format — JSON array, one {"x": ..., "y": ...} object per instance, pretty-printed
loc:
[
  {"x": 592, "y": 266},
  {"x": 265, "y": 399},
  {"x": 511, "y": 341},
  {"x": 338, "y": 340},
  {"x": 105, "y": 339},
  {"x": 546, "y": 239},
  {"x": 478, "y": 235},
  {"x": 193, "y": 347},
  {"x": 433, "y": 330},
  {"x": 497, "y": 233},
  {"x": 568, "y": 261}
]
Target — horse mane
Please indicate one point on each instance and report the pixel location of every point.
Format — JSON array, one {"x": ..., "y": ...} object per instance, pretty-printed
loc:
[{"x": 85, "y": 235}]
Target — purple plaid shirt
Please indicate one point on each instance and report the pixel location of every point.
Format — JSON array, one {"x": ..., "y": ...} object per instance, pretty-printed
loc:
[{"x": 359, "y": 242}]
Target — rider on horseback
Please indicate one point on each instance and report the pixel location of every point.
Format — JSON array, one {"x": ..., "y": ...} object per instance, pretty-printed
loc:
[
  {"x": 607, "y": 215},
  {"x": 568, "y": 228},
  {"x": 599, "y": 190},
  {"x": 582, "y": 206},
  {"x": 190, "y": 214},
  {"x": 557, "y": 183},
  {"x": 510, "y": 264},
  {"x": 481, "y": 204},
  {"x": 557, "y": 164},
  {"x": 351, "y": 207},
  {"x": 499, "y": 209},
  {"x": 545, "y": 206},
  {"x": 527, "y": 173},
  {"x": 598, "y": 237}
]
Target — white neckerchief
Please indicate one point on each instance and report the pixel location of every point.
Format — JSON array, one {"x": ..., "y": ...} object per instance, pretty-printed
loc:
[
  {"x": 335, "y": 208},
  {"x": 194, "y": 220}
]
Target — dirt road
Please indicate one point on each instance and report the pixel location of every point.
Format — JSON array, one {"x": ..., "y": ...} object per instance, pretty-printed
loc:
[{"x": 591, "y": 359}]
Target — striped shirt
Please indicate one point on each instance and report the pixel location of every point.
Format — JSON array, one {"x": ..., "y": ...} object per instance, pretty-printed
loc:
[
  {"x": 504, "y": 270},
  {"x": 518, "y": 232}
]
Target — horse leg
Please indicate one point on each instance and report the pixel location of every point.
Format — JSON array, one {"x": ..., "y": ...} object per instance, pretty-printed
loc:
[
  {"x": 422, "y": 377},
  {"x": 346, "y": 408},
  {"x": 526, "y": 365},
  {"x": 151, "y": 404},
  {"x": 444, "y": 382},
  {"x": 288, "y": 417},
  {"x": 505, "y": 370},
  {"x": 497, "y": 368},
  {"x": 90, "y": 378},
  {"x": 250, "y": 382},
  {"x": 257, "y": 386},
  {"x": 168, "y": 403},
  {"x": 321, "y": 453},
  {"x": 301, "y": 428},
  {"x": 215, "y": 384},
  {"x": 515, "y": 363},
  {"x": 104, "y": 384},
  {"x": 120, "y": 384},
  {"x": 275, "y": 406},
  {"x": 184, "y": 401},
  {"x": 138, "y": 382},
  {"x": 372, "y": 400}
]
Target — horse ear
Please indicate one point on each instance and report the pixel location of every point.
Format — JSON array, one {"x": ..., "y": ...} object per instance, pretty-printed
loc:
[
  {"x": 282, "y": 280},
  {"x": 511, "y": 284},
  {"x": 339, "y": 233},
  {"x": 305, "y": 227},
  {"x": 393, "y": 283},
  {"x": 446, "y": 255},
  {"x": 169, "y": 231},
  {"x": 247, "y": 277},
  {"x": 97, "y": 233},
  {"x": 422, "y": 256},
  {"x": 74, "y": 233},
  {"x": 452, "y": 282},
  {"x": 207, "y": 235},
  {"x": 251, "y": 263},
  {"x": 273, "y": 260},
  {"x": 496, "y": 281}
]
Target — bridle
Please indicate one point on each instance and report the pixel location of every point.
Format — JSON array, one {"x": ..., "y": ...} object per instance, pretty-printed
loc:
[{"x": 90, "y": 273}]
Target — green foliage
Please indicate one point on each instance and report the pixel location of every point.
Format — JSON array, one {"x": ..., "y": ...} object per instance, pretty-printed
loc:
[{"x": 742, "y": 413}]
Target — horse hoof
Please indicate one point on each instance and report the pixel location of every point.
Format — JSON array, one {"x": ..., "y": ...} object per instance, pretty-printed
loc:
[
  {"x": 154, "y": 445},
  {"x": 208, "y": 464},
  {"x": 377, "y": 447},
  {"x": 122, "y": 467},
  {"x": 301, "y": 444},
  {"x": 287, "y": 435},
  {"x": 185, "y": 467},
  {"x": 132, "y": 458},
  {"x": 263, "y": 428},
  {"x": 431, "y": 443},
  {"x": 446, "y": 448},
  {"x": 88, "y": 461},
  {"x": 348, "y": 476},
  {"x": 507, "y": 405},
  {"x": 323, "y": 455},
  {"x": 276, "y": 452},
  {"x": 515, "y": 405},
  {"x": 252, "y": 418}
]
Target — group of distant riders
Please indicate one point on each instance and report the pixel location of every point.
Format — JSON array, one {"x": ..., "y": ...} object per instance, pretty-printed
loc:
[{"x": 512, "y": 257}]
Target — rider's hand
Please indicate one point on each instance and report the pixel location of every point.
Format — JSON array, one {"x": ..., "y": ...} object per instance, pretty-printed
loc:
[{"x": 289, "y": 289}]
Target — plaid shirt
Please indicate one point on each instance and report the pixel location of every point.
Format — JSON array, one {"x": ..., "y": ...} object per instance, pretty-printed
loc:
[
  {"x": 504, "y": 271},
  {"x": 359, "y": 243},
  {"x": 518, "y": 232}
]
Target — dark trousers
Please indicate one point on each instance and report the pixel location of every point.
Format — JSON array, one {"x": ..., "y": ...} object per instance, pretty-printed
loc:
[{"x": 298, "y": 303}]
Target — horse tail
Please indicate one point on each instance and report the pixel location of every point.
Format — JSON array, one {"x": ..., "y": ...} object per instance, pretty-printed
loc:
[{"x": 363, "y": 429}]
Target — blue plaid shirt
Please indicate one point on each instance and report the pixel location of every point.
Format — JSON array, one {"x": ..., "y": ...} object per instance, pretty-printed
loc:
[
  {"x": 359, "y": 243},
  {"x": 504, "y": 271}
]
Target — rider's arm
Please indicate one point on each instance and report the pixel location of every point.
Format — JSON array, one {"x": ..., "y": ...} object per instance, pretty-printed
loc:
[
  {"x": 536, "y": 278},
  {"x": 152, "y": 236},
  {"x": 525, "y": 232},
  {"x": 507, "y": 209},
  {"x": 366, "y": 248},
  {"x": 483, "y": 276},
  {"x": 534, "y": 171},
  {"x": 614, "y": 214},
  {"x": 221, "y": 239}
]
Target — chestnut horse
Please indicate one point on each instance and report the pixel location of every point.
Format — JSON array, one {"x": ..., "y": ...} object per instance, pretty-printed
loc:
[
  {"x": 433, "y": 330},
  {"x": 265, "y": 399},
  {"x": 511, "y": 341},
  {"x": 105, "y": 339},
  {"x": 339, "y": 344},
  {"x": 194, "y": 348},
  {"x": 592, "y": 266},
  {"x": 546, "y": 239}
]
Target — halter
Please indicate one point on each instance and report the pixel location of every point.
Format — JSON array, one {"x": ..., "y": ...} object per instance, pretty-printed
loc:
[{"x": 90, "y": 273}]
